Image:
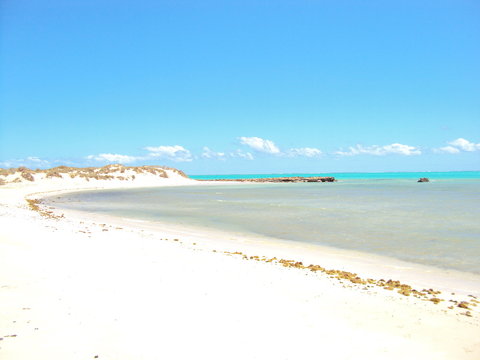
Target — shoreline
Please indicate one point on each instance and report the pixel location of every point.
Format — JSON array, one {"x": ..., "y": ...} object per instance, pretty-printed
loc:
[
  {"x": 367, "y": 265},
  {"x": 78, "y": 277},
  {"x": 213, "y": 231}
]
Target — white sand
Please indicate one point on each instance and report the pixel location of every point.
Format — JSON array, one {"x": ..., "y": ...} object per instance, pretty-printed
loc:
[{"x": 71, "y": 290}]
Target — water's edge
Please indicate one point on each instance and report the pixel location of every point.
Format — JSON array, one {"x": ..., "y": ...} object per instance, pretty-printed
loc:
[
  {"x": 241, "y": 209},
  {"x": 366, "y": 264}
]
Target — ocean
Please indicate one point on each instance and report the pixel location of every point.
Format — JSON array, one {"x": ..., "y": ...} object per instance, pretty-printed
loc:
[
  {"x": 353, "y": 175},
  {"x": 435, "y": 223}
]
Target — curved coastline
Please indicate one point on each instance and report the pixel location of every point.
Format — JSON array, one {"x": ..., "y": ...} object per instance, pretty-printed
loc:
[
  {"x": 367, "y": 265},
  {"x": 373, "y": 219},
  {"x": 91, "y": 262}
]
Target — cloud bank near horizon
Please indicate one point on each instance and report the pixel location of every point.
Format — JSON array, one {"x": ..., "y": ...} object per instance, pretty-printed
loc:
[
  {"x": 257, "y": 147},
  {"x": 377, "y": 150}
]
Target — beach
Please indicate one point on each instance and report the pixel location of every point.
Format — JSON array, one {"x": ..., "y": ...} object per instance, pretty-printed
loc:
[{"x": 77, "y": 285}]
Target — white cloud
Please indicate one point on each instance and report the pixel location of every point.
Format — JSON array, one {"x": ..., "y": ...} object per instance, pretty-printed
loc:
[
  {"x": 113, "y": 158},
  {"x": 242, "y": 154},
  {"x": 30, "y": 162},
  {"x": 6, "y": 164},
  {"x": 210, "y": 154},
  {"x": 401, "y": 149},
  {"x": 306, "y": 151},
  {"x": 458, "y": 145},
  {"x": 259, "y": 144},
  {"x": 465, "y": 145},
  {"x": 175, "y": 153},
  {"x": 377, "y": 150},
  {"x": 447, "y": 149},
  {"x": 37, "y": 160}
]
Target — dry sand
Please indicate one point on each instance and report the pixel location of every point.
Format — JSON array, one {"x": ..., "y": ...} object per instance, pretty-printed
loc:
[{"x": 87, "y": 286}]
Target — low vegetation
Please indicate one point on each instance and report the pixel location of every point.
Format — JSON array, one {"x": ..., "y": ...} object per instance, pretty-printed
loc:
[{"x": 108, "y": 172}]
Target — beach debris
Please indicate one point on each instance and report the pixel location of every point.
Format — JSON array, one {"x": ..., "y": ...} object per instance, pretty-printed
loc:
[
  {"x": 431, "y": 292},
  {"x": 463, "y": 305},
  {"x": 424, "y": 179},
  {"x": 34, "y": 204},
  {"x": 405, "y": 292},
  {"x": 429, "y": 295}
]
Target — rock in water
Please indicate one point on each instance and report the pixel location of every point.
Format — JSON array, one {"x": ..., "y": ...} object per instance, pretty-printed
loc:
[
  {"x": 423, "y": 180},
  {"x": 288, "y": 179}
]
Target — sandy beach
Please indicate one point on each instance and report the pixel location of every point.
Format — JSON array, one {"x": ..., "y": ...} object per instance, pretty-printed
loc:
[{"x": 85, "y": 286}]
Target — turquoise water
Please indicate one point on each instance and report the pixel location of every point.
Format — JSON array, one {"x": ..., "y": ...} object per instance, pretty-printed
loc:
[
  {"x": 435, "y": 223},
  {"x": 346, "y": 175}
]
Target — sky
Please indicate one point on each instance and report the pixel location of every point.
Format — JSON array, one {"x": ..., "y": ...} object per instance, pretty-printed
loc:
[{"x": 238, "y": 87}]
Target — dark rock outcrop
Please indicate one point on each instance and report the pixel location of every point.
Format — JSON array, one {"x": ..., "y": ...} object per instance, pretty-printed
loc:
[
  {"x": 423, "y": 180},
  {"x": 288, "y": 179}
]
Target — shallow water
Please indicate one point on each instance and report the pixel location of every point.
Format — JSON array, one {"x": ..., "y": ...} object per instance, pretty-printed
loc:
[{"x": 434, "y": 223}]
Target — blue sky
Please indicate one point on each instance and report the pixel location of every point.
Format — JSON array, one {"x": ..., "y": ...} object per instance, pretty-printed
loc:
[{"x": 246, "y": 86}]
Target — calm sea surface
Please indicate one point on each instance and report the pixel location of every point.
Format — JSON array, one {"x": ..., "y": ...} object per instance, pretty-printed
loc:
[
  {"x": 350, "y": 176},
  {"x": 435, "y": 223}
]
